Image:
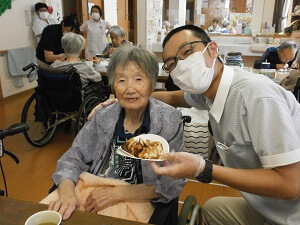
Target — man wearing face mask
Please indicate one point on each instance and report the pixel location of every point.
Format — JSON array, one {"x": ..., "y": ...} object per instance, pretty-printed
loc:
[
  {"x": 95, "y": 31},
  {"x": 42, "y": 20},
  {"x": 256, "y": 128},
  {"x": 49, "y": 48}
]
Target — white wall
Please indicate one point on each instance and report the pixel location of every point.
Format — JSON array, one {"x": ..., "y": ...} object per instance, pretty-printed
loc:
[
  {"x": 262, "y": 12},
  {"x": 110, "y": 9},
  {"x": 177, "y": 10},
  {"x": 15, "y": 34}
]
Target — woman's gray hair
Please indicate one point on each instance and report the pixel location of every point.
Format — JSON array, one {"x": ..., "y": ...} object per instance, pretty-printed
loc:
[
  {"x": 143, "y": 59},
  {"x": 72, "y": 43},
  {"x": 117, "y": 30}
]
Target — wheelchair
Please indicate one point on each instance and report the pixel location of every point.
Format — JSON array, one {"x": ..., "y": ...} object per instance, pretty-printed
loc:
[{"x": 59, "y": 97}]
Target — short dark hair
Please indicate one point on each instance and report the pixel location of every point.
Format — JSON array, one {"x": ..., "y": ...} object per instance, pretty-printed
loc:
[
  {"x": 40, "y": 5},
  {"x": 216, "y": 20},
  {"x": 99, "y": 9},
  {"x": 197, "y": 32},
  {"x": 71, "y": 21}
]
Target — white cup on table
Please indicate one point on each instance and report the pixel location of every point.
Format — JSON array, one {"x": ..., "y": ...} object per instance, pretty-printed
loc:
[{"x": 47, "y": 217}]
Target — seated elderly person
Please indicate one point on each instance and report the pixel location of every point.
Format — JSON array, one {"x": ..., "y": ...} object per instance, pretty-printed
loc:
[
  {"x": 281, "y": 57},
  {"x": 117, "y": 35},
  {"x": 132, "y": 73},
  {"x": 73, "y": 44}
]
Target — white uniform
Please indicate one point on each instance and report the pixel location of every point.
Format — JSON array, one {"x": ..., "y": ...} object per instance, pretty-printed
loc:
[
  {"x": 96, "y": 36},
  {"x": 38, "y": 26}
]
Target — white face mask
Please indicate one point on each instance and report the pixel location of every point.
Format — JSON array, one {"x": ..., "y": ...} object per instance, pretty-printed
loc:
[
  {"x": 44, "y": 15},
  {"x": 192, "y": 75},
  {"x": 95, "y": 16}
]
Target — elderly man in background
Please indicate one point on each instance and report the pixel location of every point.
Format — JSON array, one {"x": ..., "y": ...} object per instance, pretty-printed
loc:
[
  {"x": 117, "y": 35},
  {"x": 42, "y": 20},
  {"x": 282, "y": 57}
]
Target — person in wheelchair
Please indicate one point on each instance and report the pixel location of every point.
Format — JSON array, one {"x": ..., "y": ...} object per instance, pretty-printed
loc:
[
  {"x": 132, "y": 74},
  {"x": 73, "y": 44}
]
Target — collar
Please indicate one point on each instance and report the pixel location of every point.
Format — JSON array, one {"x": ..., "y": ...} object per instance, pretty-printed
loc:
[
  {"x": 143, "y": 129},
  {"x": 99, "y": 21},
  {"x": 218, "y": 104}
]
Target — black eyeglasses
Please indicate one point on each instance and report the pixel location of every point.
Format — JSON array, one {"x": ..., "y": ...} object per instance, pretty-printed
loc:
[{"x": 182, "y": 53}]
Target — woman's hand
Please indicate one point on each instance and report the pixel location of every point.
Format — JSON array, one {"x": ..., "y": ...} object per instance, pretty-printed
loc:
[
  {"x": 102, "y": 104},
  {"x": 102, "y": 198},
  {"x": 65, "y": 205}
]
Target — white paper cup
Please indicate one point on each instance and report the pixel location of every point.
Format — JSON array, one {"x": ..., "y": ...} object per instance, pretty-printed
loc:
[{"x": 47, "y": 216}]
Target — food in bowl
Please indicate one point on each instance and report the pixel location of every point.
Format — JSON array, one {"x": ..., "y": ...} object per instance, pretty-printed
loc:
[{"x": 143, "y": 149}]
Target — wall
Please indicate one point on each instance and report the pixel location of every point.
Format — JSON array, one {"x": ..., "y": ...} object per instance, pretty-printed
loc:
[
  {"x": 110, "y": 9},
  {"x": 262, "y": 12},
  {"x": 16, "y": 35}
]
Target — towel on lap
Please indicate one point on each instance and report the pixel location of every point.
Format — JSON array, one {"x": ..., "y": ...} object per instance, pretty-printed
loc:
[{"x": 125, "y": 210}]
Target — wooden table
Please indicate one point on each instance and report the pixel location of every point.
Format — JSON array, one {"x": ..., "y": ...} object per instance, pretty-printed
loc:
[{"x": 15, "y": 212}]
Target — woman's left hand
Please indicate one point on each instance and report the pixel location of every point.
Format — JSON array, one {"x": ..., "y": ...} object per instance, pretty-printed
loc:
[{"x": 101, "y": 199}]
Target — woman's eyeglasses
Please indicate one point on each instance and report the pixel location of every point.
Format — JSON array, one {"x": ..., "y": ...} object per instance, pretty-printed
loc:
[{"x": 182, "y": 53}]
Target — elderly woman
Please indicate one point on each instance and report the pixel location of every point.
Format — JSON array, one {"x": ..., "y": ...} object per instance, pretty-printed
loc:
[
  {"x": 132, "y": 73},
  {"x": 117, "y": 35},
  {"x": 73, "y": 44}
]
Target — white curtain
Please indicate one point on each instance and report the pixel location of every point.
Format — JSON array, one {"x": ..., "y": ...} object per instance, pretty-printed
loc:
[{"x": 285, "y": 13}]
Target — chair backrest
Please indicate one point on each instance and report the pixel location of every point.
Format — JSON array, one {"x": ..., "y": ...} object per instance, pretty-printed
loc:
[
  {"x": 63, "y": 90},
  {"x": 297, "y": 90}
]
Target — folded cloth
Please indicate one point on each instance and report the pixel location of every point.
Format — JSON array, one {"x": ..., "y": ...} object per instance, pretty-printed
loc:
[
  {"x": 125, "y": 210},
  {"x": 17, "y": 59}
]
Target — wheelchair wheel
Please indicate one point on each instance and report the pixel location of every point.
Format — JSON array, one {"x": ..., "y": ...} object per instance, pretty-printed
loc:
[
  {"x": 85, "y": 108},
  {"x": 190, "y": 212},
  {"x": 39, "y": 133}
]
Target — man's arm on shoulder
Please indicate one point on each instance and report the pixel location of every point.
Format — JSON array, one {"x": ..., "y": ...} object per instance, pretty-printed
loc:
[{"x": 174, "y": 98}]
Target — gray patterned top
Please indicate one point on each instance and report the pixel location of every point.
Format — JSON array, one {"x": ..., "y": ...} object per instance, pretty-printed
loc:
[{"x": 90, "y": 150}]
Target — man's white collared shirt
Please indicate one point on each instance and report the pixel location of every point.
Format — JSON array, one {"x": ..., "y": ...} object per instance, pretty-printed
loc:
[{"x": 255, "y": 124}]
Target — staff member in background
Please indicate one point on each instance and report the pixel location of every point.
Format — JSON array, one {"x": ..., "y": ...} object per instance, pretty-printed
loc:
[
  {"x": 42, "y": 20},
  {"x": 117, "y": 36},
  {"x": 215, "y": 26},
  {"x": 49, "y": 48},
  {"x": 281, "y": 57},
  {"x": 95, "y": 31}
]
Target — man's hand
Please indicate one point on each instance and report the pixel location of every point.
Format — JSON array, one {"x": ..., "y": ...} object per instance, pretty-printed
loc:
[
  {"x": 180, "y": 165},
  {"x": 100, "y": 105},
  {"x": 282, "y": 66},
  {"x": 101, "y": 199},
  {"x": 295, "y": 64}
]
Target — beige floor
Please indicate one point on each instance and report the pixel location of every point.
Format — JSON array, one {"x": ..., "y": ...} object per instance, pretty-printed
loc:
[{"x": 30, "y": 179}]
